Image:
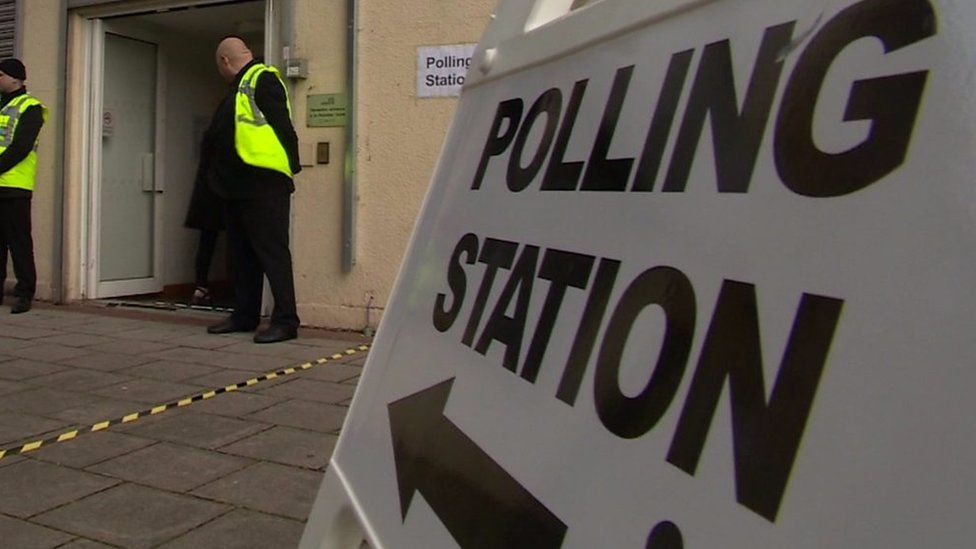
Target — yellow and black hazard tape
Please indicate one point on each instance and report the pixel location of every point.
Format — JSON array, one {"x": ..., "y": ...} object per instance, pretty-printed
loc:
[{"x": 180, "y": 403}]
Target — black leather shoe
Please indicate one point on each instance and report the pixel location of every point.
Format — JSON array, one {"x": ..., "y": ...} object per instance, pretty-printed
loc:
[
  {"x": 228, "y": 326},
  {"x": 275, "y": 334},
  {"x": 22, "y": 305}
]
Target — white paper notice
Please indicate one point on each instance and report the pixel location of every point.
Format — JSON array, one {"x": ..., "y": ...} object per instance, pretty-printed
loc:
[{"x": 441, "y": 69}]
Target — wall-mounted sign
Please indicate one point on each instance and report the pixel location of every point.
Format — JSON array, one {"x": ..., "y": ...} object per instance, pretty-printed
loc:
[
  {"x": 108, "y": 124},
  {"x": 441, "y": 69},
  {"x": 326, "y": 110}
]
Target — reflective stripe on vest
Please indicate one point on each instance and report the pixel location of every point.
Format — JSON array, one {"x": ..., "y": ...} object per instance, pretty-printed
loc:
[
  {"x": 254, "y": 138},
  {"x": 22, "y": 175}
]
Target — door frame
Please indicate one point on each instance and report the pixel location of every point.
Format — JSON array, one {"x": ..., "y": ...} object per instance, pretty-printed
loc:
[
  {"x": 94, "y": 287},
  {"x": 93, "y": 23}
]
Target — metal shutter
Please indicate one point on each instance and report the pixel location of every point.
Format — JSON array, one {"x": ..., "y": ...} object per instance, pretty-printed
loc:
[{"x": 8, "y": 24}]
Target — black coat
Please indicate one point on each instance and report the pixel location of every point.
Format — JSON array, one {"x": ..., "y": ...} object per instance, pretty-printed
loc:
[
  {"x": 232, "y": 179},
  {"x": 206, "y": 211}
]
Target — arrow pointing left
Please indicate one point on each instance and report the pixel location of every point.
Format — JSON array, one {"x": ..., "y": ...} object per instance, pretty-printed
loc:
[{"x": 481, "y": 505}]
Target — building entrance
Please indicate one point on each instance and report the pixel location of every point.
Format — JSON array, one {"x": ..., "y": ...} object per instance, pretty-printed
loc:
[{"x": 153, "y": 89}]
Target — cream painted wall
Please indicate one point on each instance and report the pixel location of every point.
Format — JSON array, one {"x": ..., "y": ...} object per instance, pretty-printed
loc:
[
  {"x": 320, "y": 287},
  {"x": 400, "y": 137},
  {"x": 40, "y": 23}
]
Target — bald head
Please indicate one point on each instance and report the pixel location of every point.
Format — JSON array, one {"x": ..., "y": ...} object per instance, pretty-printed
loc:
[{"x": 232, "y": 54}]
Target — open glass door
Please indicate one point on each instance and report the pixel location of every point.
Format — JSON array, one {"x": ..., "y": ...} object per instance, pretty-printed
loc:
[{"x": 127, "y": 190}]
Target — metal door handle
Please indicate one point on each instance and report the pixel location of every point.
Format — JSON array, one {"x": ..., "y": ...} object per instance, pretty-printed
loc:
[{"x": 148, "y": 172}]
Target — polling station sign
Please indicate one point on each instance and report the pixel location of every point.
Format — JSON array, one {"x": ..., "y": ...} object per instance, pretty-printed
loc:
[
  {"x": 441, "y": 70},
  {"x": 701, "y": 280}
]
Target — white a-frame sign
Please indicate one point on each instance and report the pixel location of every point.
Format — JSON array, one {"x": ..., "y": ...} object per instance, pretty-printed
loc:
[{"x": 689, "y": 274}]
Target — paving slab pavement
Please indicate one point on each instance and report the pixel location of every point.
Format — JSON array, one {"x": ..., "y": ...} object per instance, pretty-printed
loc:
[{"x": 240, "y": 469}]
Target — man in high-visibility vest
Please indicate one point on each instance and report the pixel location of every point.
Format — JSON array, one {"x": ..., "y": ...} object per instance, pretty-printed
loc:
[
  {"x": 21, "y": 118},
  {"x": 255, "y": 152}
]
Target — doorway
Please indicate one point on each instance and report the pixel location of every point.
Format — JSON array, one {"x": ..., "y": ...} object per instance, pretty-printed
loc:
[{"x": 153, "y": 88}]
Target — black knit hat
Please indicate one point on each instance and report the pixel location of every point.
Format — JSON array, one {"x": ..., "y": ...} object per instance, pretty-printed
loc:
[{"x": 13, "y": 67}]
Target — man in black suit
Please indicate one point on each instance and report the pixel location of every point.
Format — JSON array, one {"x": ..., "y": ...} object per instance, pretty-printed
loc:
[{"x": 255, "y": 152}]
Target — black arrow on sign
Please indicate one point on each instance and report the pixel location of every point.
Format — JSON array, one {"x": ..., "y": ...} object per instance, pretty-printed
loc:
[{"x": 480, "y": 504}]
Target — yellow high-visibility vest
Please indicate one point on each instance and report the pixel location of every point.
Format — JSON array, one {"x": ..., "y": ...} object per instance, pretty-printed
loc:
[
  {"x": 254, "y": 138},
  {"x": 22, "y": 175}
]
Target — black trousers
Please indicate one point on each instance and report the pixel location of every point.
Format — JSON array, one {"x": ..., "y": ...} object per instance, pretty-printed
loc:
[
  {"x": 257, "y": 232},
  {"x": 205, "y": 253},
  {"x": 15, "y": 236}
]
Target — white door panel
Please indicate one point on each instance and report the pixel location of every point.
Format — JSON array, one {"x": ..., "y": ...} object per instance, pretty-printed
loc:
[{"x": 129, "y": 199}]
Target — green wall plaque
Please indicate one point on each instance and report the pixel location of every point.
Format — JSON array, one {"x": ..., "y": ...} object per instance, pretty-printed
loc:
[{"x": 326, "y": 110}]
